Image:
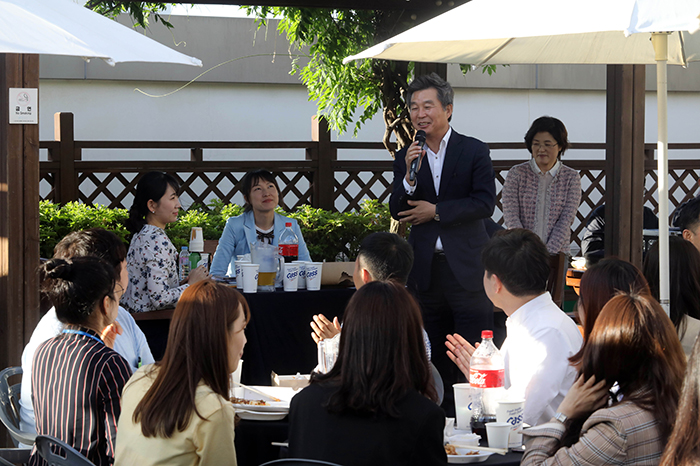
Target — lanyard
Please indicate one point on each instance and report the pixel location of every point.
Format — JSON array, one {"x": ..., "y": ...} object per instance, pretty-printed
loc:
[{"x": 80, "y": 332}]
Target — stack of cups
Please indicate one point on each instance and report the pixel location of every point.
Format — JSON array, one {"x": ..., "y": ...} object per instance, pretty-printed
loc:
[
  {"x": 313, "y": 275},
  {"x": 291, "y": 276},
  {"x": 301, "y": 285}
]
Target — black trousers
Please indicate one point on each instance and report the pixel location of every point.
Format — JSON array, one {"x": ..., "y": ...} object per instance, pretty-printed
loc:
[{"x": 449, "y": 308}]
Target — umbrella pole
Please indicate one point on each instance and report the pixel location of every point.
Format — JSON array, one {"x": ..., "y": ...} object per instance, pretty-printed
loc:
[{"x": 660, "y": 42}]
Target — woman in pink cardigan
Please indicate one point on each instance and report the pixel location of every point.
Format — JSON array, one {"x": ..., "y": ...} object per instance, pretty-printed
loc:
[{"x": 542, "y": 194}]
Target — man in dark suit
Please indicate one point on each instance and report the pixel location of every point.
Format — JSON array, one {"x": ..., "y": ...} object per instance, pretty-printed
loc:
[{"x": 446, "y": 204}]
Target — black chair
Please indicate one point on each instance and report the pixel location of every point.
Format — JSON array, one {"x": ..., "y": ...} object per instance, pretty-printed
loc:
[
  {"x": 9, "y": 407},
  {"x": 59, "y": 453},
  {"x": 298, "y": 462}
]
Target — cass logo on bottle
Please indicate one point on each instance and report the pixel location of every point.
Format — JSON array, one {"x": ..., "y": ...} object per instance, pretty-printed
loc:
[{"x": 486, "y": 378}]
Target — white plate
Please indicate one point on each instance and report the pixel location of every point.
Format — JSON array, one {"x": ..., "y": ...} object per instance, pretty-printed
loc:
[
  {"x": 260, "y": 416},
  {"x": 462, "y": 458},
  {"x": 270, "y": 407}
]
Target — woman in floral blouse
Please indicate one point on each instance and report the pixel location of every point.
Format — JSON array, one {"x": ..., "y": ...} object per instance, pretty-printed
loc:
[{"x": 152, "y": 258}]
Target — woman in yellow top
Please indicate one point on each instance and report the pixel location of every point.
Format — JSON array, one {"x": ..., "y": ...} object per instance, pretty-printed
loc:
[{"x": 176, "y": 411}]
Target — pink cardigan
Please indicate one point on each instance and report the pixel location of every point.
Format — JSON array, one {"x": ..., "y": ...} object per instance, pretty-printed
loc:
[{"x": 519, "y": 200}]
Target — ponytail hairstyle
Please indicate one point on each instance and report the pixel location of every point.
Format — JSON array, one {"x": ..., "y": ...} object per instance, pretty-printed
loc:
[
  {"x": 75, "y": 286},
  {"x": 151, "y": 186}
]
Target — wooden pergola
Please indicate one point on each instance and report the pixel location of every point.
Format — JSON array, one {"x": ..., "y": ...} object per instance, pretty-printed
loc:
[{"x": 19, "y": 170}]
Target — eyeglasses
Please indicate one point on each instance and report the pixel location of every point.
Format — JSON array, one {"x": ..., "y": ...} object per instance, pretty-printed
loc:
[{"x": 546, "y": 145}]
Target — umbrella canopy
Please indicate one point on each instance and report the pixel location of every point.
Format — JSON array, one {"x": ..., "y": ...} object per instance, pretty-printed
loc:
[
  {"x": 61, "y": 27},
  {"x": 509, "y": 32},
  {"x": 488, "y": 32}
]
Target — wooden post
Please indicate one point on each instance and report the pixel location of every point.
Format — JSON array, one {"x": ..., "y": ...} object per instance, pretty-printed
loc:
[
  {"x": 19, "y": 215},
  {"x": 624, "y": 168},
  {"x": 324, "y": 179},
  {"x": 67, "y": 180}
]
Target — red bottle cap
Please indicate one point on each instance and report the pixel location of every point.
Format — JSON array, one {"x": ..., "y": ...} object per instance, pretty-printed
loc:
[
  {"x": 288, "y": 224},
  {"x": 486, "y": 334}
]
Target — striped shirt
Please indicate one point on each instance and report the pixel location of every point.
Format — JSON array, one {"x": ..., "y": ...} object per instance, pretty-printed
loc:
[{"x": 77, "y": 383}]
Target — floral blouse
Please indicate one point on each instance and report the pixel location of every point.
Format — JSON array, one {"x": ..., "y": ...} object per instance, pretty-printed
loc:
[{"x": 152, "y": 266}]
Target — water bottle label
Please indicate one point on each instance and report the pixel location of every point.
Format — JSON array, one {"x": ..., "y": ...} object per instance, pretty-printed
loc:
[
  {"x": 288, "y": 249},
  {"x": 486, "y": 378}
]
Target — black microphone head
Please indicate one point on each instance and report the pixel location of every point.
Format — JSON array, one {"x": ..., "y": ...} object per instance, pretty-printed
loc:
[{"x": 420, "y": 136}]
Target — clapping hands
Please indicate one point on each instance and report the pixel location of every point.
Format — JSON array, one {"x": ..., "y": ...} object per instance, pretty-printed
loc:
[{"x": 460, "y": 352}]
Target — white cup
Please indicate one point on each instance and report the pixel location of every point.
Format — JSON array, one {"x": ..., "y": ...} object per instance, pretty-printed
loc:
[
  {"x": 313, "y": 275},
  {"x": 498, "y": 433},
  {"x": 250, "y": 277},
  {"x": 511, "y": 412},
  {"x": 291, "y": 276},
  {"x": 237, "y": 265},
  {"x": 302, "y": 274},
  {"x": 464, "y": 398},
  {"x": 235, "y": 378}
]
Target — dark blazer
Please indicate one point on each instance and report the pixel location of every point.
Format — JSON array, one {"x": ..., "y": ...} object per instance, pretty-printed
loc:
[
  {"x": 413, "y": 439},
  {"x": 467, "y": 196}
]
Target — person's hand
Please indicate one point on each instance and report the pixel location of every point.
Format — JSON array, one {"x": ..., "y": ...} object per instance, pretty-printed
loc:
[
  {"x": 422, "y": 212},
  {"x": 323, "y": 328},
  {"x": 412, "y": 153},
  {"x": 198, "y": 274},
  {"x": 110, "y": 332},
  {"x": 460, "y": 352},
  {"x": 584, "y": 397}
]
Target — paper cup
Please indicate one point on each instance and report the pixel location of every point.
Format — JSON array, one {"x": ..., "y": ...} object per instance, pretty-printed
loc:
[
  {"x": 313, "y": 275},
  {"x": 511, "y": 412},
  {"x": 250, "y": 278},
  {"x": 237, "y": 265},
  {"x": 498, "y": 433},
  {"x": 302, "y": 274},
  {"x": 464, "y": 397},
  {"x": 235, "y": 378},
  {"x": 291, "y": 276}
]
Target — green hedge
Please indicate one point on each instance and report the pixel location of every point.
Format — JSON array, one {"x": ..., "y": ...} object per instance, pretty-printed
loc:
[{"x": 328, "y": 235}]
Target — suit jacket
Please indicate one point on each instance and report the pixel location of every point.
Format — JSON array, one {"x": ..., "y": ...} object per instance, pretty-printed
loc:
[
  {"x": 413, "y": 439},
  {"x": 467, "y": 197},
  {"x": 239, "y": 232}
]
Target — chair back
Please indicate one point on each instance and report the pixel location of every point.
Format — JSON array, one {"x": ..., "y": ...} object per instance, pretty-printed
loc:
[
  {"x": 9, "y": 407},
  {"x": 298, "y": 462},
  {"x": 59, "y": 453},
  {"x": 557, "y": 277}
]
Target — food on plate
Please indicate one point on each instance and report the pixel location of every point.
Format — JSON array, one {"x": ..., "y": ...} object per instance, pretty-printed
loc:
[
  {"x": 452, "y": 450},
  {"x": 243, "y": 401}
]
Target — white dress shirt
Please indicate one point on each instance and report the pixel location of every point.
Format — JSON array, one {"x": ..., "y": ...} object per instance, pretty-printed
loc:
[
  {"x": 540, "y": 339},
  {"x": 435, "y": 161}
]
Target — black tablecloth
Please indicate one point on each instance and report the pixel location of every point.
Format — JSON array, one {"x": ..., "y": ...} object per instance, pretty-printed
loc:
[{"x": 279, "y": 335}]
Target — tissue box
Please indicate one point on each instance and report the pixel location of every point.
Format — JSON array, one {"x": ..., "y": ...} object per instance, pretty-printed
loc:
[{"x": 334, "y": 273}]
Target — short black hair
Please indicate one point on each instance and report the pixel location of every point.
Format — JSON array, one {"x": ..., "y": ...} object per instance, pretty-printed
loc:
[
  {"x": 519, "y": 259},
  {"x": 96, "y": 242},
  {"x": 386, "y": 256},
  {"x": 251, "y": 179},
  {"x": 445, "y": 93},
  {"x": 551, "y": 125},
  {"x": 687, "y": 215}
]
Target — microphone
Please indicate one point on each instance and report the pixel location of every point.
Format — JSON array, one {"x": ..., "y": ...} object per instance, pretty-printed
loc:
[{"x": 420, "y": 137}]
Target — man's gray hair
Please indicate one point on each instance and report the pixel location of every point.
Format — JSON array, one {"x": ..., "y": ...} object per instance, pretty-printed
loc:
[{"x": 444, "y": 91}]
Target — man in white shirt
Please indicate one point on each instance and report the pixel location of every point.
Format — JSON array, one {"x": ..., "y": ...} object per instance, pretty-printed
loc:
[
  {"x": 130, "y": 342},
  {"x": 540, "y": 337}
]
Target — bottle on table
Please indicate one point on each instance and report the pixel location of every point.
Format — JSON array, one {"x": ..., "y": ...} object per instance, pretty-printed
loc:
[
  {"x": 184, "y": 262},
  {"x": 196, "y": 247},
  {"x": 288, "y": 244},
  {"x": 487, "y": 373}
]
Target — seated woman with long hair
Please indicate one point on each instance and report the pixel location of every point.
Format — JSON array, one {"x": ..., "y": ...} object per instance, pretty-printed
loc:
[
  {"x": 176, "y": 411},
  {"x": 633, "y": 344},
  {"x": 77, "y": 379},
  {"x": 376, "y": 406},
  {"x": 683, "y": 447},
  {"x": 684, "y": 271},
  {"x": 599, "y": 284}
]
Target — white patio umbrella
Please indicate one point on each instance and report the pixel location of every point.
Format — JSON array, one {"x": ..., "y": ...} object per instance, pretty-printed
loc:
[
  {"x": 62, "y": 27},
  {"x": 486, "y": 32}
]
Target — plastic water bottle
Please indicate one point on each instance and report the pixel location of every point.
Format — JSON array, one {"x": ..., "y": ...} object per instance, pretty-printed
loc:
[
  {"x": 487, "y": 373},
  {"x": 288, "y": 244},
  {"x": 184, "y": 260}
]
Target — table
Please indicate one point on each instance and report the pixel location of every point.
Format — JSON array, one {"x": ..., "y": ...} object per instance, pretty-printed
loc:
[{"x": 279, "y": 335}]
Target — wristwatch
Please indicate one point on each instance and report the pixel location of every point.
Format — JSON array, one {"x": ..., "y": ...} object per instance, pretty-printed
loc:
[
  {"x": 561, "y": 417},
  {"x": 437, "y": 215}
]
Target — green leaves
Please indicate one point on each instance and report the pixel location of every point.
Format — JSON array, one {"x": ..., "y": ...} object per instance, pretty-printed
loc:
[{"x": 140, "y": 12}]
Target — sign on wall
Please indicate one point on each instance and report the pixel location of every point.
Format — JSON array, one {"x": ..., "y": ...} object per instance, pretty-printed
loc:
[{"x": 24, "y": 106}]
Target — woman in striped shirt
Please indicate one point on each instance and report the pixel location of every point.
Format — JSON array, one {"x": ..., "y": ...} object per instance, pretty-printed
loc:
[{"x": 77, "y": 379}]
